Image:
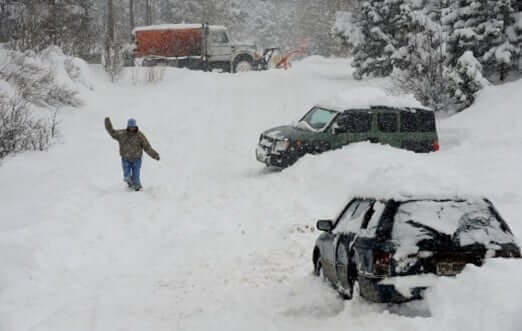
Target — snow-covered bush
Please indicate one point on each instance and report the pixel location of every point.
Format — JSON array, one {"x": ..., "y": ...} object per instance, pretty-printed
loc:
[
  {"x": 420, "y": 68},
  {"x": 465, "y": 80},
  {"x": 20, "y": 130},
  {"x": 35, "y": 79},
  {"x": 32, "y": 86}
]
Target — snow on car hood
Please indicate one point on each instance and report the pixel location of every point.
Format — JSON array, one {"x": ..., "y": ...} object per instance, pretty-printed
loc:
[{"x": 284, "y": 132}]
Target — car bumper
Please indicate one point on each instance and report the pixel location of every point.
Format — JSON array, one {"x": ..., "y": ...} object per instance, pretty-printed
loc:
[
  {"x": 270, "y": 158},
  {"x": 383, "y": 291}
]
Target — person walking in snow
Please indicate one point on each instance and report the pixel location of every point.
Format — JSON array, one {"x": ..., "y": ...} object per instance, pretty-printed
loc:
[{"x": 132, "y": 144}]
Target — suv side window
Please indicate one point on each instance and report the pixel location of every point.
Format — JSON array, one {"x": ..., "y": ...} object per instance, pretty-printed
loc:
[
  {"x": 426, "y": 121},
  {"x": 354, "y": 122},
  {"x": 387, "y": 122},
  {"x": 419, "y": 121},
  {"x": 408, "y": 121}
]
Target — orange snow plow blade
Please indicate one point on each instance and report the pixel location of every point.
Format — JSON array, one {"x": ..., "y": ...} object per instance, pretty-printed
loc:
[{"x": 285, "y": 62}]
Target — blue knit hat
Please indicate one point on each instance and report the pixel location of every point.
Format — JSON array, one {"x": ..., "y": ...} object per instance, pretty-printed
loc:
[{"x": 131, "y": 123}]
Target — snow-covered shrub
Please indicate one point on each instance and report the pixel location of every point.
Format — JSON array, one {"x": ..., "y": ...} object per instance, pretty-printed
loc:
[
  {"x": 420, "y": 67},
  {"x": 35, "y": 79},
  {"x": 29, "y": 83},
  {"x": 19, "y": 130},
  {"x": 465, "y": 80}
]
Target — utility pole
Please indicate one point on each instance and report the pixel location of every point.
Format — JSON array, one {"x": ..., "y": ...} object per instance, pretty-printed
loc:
[
  {"x": 131, "y": 14},
  {"x": 148, "y": 12},
  {"x": 109, "y": 37}
]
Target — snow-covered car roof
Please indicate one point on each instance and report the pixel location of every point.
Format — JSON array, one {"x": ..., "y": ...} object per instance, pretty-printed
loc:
[
  {"x": 363, "y": 98},
  {"x": 402, "y": 197},
  {"x": 176, "y": 27}
]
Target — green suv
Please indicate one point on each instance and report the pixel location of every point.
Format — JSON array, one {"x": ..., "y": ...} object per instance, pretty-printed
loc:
[{"x": 326, "y": 128}]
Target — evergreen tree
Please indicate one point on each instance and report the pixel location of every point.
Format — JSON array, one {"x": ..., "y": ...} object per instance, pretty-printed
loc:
[
  {"x": 465, "y": 80},
  {"x": 487, "y": 28},
  {"x": 384, "y": 25}
]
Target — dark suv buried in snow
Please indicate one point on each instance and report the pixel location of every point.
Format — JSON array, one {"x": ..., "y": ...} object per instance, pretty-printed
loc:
[
  {"x": 374, "y": 244},
  {"x": 324, "y": 128}
]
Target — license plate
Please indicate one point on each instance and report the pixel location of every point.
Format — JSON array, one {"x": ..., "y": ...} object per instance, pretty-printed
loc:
[{"x": 449, "y": 269}]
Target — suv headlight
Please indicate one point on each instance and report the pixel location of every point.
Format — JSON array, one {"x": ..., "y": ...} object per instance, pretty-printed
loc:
[{"x": 282, "y": 145}]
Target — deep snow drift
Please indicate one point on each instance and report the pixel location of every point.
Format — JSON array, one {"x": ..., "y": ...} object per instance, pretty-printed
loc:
[{"x": 215, "y": 241}]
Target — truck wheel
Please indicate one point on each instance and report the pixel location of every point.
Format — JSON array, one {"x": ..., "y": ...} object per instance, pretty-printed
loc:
[{"x": 243, "y": 65}]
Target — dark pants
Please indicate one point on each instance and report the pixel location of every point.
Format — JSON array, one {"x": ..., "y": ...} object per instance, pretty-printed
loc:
[{"x": 131, "y": 171}]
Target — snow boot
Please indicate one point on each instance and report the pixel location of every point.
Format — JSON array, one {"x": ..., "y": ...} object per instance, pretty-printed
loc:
[
  {"x": 137, "y": 187},
  {"x": 128, "y": 180}
]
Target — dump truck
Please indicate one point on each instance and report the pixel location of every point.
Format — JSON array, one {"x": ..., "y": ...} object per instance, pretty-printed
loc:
[{"x": 199, "y": 47}]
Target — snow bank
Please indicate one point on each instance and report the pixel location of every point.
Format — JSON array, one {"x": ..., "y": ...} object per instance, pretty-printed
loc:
[{"x": 485, "y": 298}]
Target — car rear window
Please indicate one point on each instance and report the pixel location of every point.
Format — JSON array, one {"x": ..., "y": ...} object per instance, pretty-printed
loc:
[
  {"x": 465, "y": 222},
  {"x": 387, "y": 122},
  {"x": 418, "y": 121}
]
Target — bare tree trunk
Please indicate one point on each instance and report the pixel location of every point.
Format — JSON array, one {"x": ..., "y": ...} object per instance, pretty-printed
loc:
[
  {"x": 51, "y": 23},
  {"x": 131, "y": 14},
  {"x": 110, "y": 22},
  {"x": 109, "y": 34}
]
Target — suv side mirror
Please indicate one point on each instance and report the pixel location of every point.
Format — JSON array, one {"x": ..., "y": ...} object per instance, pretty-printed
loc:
[
  {"x": 335, "y": 128},
  {"x": 339, "y": 126},
  {"x": 325, "y": 225}
]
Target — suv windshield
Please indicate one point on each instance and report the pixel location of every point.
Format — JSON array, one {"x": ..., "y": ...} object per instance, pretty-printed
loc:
[{"x": 317, "y": 119}]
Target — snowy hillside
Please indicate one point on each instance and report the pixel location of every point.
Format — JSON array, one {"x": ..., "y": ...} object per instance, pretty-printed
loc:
[{"x": 217, "y": 242}]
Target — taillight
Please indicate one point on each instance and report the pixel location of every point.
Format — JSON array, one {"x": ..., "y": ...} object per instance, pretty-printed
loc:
[
  {"x": 436, "y": 145},
  {"x": 382, "y": 262}
]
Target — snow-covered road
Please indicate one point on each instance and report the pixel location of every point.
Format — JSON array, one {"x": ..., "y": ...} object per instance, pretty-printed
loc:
[{"x": 215, "y": 241}]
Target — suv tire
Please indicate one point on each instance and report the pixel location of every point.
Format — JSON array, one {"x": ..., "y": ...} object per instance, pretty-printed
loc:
[{"x": 243, "y": 64}]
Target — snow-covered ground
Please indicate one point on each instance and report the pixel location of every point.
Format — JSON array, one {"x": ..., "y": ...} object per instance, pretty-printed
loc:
[{"x": 215, "y": 241}]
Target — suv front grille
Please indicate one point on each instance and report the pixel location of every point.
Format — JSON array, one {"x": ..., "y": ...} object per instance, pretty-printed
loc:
[{"x": 267, "y": 143}]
